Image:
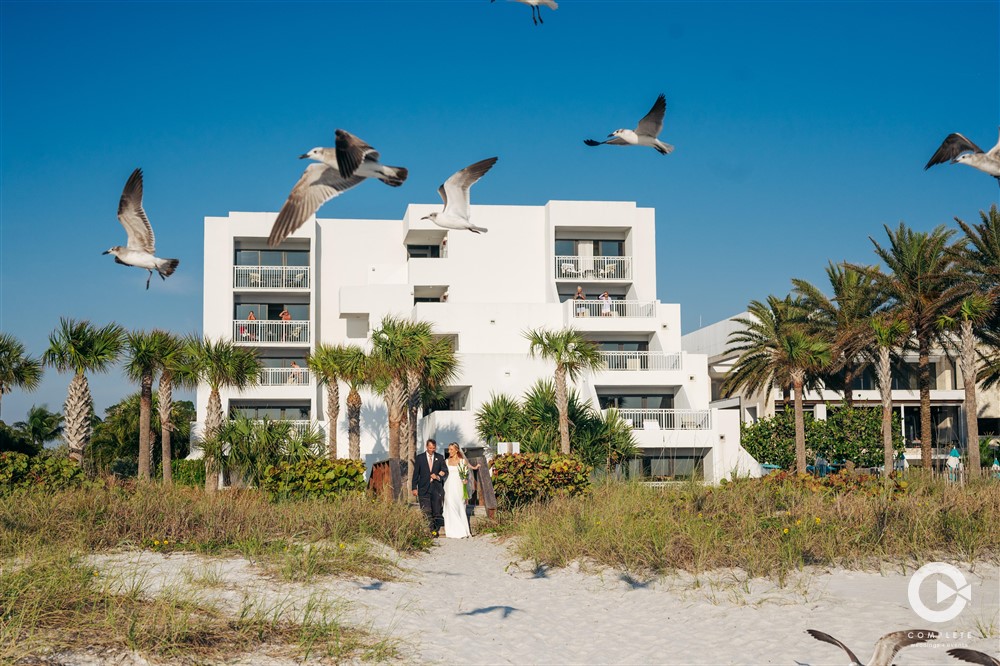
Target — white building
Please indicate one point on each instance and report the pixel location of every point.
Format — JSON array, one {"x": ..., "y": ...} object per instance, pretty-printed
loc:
[{"x": 338, "y": 278}]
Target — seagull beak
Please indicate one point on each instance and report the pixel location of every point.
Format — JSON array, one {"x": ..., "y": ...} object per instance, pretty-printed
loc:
[
  {"x": 106, "y": 252},
  {"x": 303, "y": 157},
  {"x": 611, "y": 135}
]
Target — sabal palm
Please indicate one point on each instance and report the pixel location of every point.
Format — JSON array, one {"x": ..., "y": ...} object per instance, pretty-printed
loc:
[
  {"x": 396, "y": 346},
  {"x": 143, "y": 352},
  {"x": 888, "y": 334},
  {"x": 573, "y": 355},
  {"x": 42, "y": 425},
  {"x": 778, "y": 346},
  {"x": 176, "y": 369},
  {"x": 79, "y": 347},
  {"x": 17, "y": 368},
  {"x": 356, "y": 374},
  {"x": 436, "y": 365},
  {"x": 844, "y": 319},
  {"x": 920, "y": 269},
  {"x": 221, "y": 363},
  {"x": 333, "y": 363}
]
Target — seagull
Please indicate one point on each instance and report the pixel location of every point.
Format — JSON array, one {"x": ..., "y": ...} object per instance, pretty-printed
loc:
[
  {"x": 455, "y": 194},
  {"x": 141, "y": 249},
  {"x": 974, "y": 657},
  {"x": 327, "y": 179},
  {"x": 959, "y": 150},
  {"x": 645, "y": 134},
  {"x": 535, "y": 9},
  {"x": 886, "y": 647}
]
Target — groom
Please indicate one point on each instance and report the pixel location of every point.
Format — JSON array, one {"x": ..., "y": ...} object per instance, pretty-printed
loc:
[{"x": 428, "y": 484}]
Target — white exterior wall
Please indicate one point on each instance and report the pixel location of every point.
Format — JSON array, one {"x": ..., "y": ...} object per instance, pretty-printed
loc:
[{"x": 498, "y": 285}]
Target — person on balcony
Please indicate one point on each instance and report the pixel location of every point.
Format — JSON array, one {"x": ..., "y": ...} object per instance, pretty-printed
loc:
[
  {"x": 580, "y": 297},
  {"x": 605, "y": 299},
  {"x": 295, "y": 376}
]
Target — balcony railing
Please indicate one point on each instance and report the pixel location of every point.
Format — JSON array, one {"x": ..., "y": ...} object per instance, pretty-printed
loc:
[
  {"x": 270, "y": 277},
  {"x": 270, "y": 332},
  {"x": 597, "y": 308},
  {"x": 668, "y": 419},
  {"x": 284, "y": 377},
  {"x": 637, "y": 360},
  {"x": 593, "y": 268}
]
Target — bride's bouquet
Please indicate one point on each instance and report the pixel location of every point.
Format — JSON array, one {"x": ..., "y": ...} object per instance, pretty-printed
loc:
[{"x": 463, "y": 474}]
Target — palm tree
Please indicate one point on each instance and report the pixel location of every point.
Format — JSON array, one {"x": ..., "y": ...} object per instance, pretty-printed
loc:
[
  {"x": 500, "y": 419},
  {"x": 920, "y": 270},
  {"x": 221, "y": 363},
  {"x": 395, "y": 346},
  {"x": 333, "y": 363},
  {"x": 42, "y": 425},
  {"x": 887, "y": 334},
  {"x": 79, "y": 347},
  {"x": 778, "y": 346},
  {"x": 844, "y": 319},
  {"x": 176, "y": 369},
  {"x": 573, "y": 354},
  {"x": 143, "y": 352},
  {"x": 355, "y": 373},
  {"x": 17, "y": 369},
  {"x": 435, "y": 365}
]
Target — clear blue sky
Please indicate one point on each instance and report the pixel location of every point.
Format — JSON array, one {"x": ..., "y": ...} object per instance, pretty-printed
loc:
[{"x": 801, "y": 128}]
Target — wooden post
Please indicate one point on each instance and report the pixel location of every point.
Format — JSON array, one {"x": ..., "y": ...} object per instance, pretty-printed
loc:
[{"x": 484, "y": 486}]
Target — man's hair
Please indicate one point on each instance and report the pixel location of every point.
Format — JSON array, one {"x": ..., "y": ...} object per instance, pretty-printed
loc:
[{"x": 432, "y": 441}]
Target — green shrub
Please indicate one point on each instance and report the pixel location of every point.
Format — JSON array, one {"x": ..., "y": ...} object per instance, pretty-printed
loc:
[
  {"x": 42, "y": 472},
  {"x": 771, "y": 440},
  {"x": 188, "y": 473},
  {"x": 524, "y": 478},
  {"x": 313, "y": 478},
  {"x": 13, "y": 439}
]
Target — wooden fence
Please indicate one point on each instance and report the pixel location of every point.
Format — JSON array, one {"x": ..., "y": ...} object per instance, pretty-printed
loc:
[{"x": 386, "y": 481}]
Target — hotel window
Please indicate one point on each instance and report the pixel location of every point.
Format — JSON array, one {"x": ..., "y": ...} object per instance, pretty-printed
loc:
[
  {"x": 272, "y": 311},
  {"x": 589, "y": 248},
  {"x": 637, "y": 401},
  {"x": 276, "y": 412},
  {"x": 272, "y": 258},
  {"x": 423, "y": 251}
]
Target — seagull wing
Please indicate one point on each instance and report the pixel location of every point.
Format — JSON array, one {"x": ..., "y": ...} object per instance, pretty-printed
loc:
[
  {"x": 319, "y": 183},
  {"x": 952, "y": 147},
  {"x": 995, "y": 150},
  {"x": 974, "y": 657},
  {"x": 652, "y": 124},
  {"x": 351, "y": 152},
  {"x": 890, "y": 644},
  {"x": 614, "y": 141},
  {"x": 827, "y": 638},
  {"x": 455, "y": 190},
  {"x": 133, "y": 217}
]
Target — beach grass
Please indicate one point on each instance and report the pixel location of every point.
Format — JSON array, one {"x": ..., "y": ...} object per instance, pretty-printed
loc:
[{"x": 765, "y": 527}]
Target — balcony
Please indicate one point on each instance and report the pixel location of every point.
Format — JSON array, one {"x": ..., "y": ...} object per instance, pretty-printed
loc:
[
  {"x": 628, "y": 361},
  {"x": 598, "y": 308},
  {"x": 285, "y": 377},
  {"x": 667, "y": 419},
  {"x": 261, "y": 278},
  {"x": 300, "y": 427},
  {"x": 593, "y": 269},
  {"x": 268, "y": 332}
]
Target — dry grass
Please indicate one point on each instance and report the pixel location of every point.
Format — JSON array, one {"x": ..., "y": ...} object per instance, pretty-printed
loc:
[{"x": 766, "y": 528}]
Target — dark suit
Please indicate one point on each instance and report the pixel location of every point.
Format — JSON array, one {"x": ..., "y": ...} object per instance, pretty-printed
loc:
[{"x": 430, "y": 491}]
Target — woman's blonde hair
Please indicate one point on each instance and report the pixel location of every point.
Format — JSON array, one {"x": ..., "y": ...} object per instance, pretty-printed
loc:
[{"x": 461, "y": 454}]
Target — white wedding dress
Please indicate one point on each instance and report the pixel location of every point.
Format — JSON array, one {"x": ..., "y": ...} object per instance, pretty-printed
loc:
[{"x": 456, "y": 524}]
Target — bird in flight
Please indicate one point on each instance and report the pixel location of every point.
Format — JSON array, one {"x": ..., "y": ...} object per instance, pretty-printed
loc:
[
  {"x": 336, "y": 171},
  {"x": 885, "y": 649},
  {"x": 535, "y": 9},
  {"x": 645, "y": 134},
  {"x": 455, "y": 194},
  {"x": 959, "y": 150},
  {"x": 141, "y": 248},
  {"x": 974, "y": 657}
]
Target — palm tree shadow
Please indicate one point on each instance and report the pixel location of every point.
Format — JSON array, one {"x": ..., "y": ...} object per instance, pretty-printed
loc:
[
  {"x": 505, "y": 610},
  {"x": 374, "y": 586},
  {"x": 635, "y": 583},
  {"x": 375, "y": 422}
]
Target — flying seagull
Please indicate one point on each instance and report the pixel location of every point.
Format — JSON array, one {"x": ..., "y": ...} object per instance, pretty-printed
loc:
[
  {"x": 885, "y": 649},
  {"x": 959, "y": 150},
  {"x": 337, "y": 170},
  {"x": 645, "y": 134},
  {"x": 141, "y": 249},
  {"x": 455, "y": 194},
  {"x": 535, "y": 9},
  {"x": 974, "y": 657}
]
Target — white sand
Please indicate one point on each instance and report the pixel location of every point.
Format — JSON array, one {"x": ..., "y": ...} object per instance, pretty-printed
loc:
[{"x": 467, "y": 602}]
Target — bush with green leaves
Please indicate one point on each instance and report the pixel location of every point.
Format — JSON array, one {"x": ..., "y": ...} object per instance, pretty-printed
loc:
[
  {"x": 771, "y": 440},
  {"x": 17, "y": 440},
  {"x": 45, "y": 472},
  {"x": 523, "y": 478},
  {"x": 316, "y": 478},
  {"x": 188, "y": 473}
]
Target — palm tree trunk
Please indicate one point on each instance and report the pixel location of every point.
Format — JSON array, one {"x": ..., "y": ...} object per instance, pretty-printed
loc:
[
  {"x": 77, "y": 414},
  {"x": 968, "y": 363},
  {"x": 849, "y": 375},
  {"x": 354, "y": 424},
  {"x": 885, "y": 390},
  {"x": 411, "y": 438},
  {"x": 798, "y": 380},
  {"x": 165, "y": 394},
  {"x": 145, "y": 414},
  {"x": 213, "y": 423},
  {"x": 395, "y": 402},
  {"x": 926, "y": 429},
  {"x": 332, "y": 416},
  {"x": 562, "y": 404}
]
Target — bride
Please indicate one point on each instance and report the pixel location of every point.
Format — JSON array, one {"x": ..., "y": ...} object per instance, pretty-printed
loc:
[{"x": 456, "y": 522}]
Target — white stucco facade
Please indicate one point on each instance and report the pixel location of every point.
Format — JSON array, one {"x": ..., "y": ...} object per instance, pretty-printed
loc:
[{"x": 337, "y": 278}]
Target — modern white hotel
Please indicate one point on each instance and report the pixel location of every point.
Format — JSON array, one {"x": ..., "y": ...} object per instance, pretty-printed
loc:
[{"x": 338, "y": 278}]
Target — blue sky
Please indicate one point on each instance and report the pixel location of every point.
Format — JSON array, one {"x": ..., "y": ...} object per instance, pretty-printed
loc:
[{"x": 801, "y": 128}]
